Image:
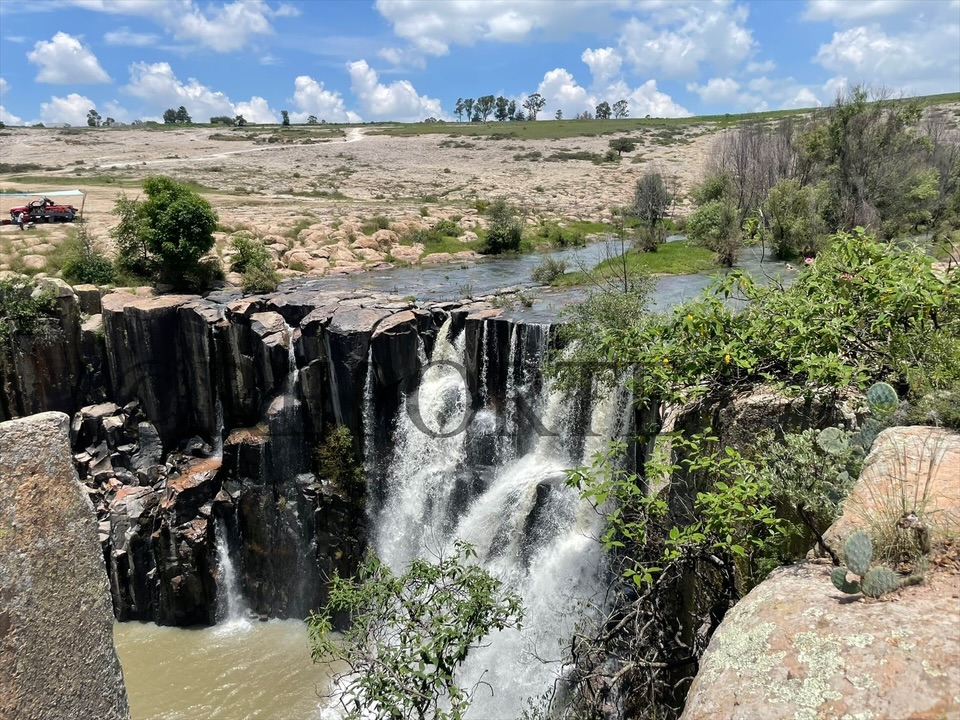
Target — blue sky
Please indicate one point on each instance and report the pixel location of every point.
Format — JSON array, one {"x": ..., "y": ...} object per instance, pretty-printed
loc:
[{"x": 406, "y": 60}]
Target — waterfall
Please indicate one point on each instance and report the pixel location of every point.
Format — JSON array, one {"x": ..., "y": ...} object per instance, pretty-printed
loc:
[
  {"x": 293, "y": 372},
  {"x": 218, "y": 432},
  {"x": 231, "y": 607},
  {"x": 368, "y": 419},
  {"x": 429, "y": 452},
  {"x": 529, "y": 529}
]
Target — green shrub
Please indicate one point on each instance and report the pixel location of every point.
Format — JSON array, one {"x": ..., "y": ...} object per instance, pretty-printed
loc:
[
  {"x": 258, "y": 279},
  {"x": 249, "y": 252},
  {"x": 448, "y": 228},
  {"x": 380, "y": 222},
  {"x": 548, "y": 271},
  {"x": 85, "y": 263},
  {"x": 336, "y": 462},
  {"x": 166, "y": 235},
  {"x": 505, "y": 230},
  {"x": 21, "y": 313}
]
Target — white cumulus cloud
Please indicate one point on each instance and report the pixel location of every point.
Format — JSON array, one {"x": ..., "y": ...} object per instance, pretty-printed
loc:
[
  {"x": 256, "y": 110},
  {"x": 63, "y": 59},
  {"x": 681, "y": 37},
  {"x": 717, "y": 91},
  {"x": 158, "y": 86},
  {"x": 71, "y": 109},
  {"x": 312, "y": 98},
  {"x": 562, "y": 91},
  {"x": 223, "y": 28},
  {"x": 8, "y": 118},
  {"x": 397, "y": 101},
  {"x": 4, "y": 85}
]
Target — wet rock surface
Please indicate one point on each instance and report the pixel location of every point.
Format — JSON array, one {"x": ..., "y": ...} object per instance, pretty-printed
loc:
[{"x": 197, "y": 416}]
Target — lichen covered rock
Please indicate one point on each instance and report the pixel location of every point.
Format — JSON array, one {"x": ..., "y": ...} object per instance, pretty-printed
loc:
[{"x": 796, "y": 647}]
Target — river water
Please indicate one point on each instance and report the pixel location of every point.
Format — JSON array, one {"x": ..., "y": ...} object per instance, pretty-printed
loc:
[{"x": 233, "y": 671}]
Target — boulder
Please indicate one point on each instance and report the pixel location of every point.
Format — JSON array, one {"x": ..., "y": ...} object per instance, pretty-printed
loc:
[
  {"x": 797, "y": 647},
  {"x": 57, "y": 658},
  {"x": 88, "y": 297}
]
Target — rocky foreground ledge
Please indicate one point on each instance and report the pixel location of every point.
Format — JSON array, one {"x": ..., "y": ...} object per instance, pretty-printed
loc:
[
  {"x": 57, "y": 658},
  {"x": 798, "y": 648}
]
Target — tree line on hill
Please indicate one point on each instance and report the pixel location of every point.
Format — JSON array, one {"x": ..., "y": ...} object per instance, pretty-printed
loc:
[{"x": 868, "y": 161}]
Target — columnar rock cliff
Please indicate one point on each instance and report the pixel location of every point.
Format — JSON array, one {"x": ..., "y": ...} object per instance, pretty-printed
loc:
[
  {"x": 193, "y": 414},
  {"x": 56, "y": 629}
]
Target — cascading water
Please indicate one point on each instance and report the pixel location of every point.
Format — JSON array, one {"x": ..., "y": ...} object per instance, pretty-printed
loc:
[
  {"x": 529, "y": 529},
  {"x": 231, "y": 608}
]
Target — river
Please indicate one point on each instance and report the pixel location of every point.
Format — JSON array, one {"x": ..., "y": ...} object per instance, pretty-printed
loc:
[{"x": 234, "y": 671}]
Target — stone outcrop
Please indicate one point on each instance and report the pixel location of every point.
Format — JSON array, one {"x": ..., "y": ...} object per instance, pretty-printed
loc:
[
  {"x": 195, "y": 420},
  {"x": 56, "y": 628},
  {"x": 796, "y": 647}
]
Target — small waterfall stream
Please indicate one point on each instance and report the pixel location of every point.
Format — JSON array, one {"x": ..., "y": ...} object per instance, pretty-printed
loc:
[
  {"x": 529, "y": 529},
  {"x": 232, "y": 610}
]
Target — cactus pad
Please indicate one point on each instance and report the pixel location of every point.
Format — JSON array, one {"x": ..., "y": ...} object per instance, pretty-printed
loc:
[
  {"x": 832, "y": 441},
  {"x": 869, "y": 431},
  {"x": 840, "y": 582},
  {"x": 879, "y": 581},
  {"x": 882, "y": 398},
  {"x": 857, "y": 552}
]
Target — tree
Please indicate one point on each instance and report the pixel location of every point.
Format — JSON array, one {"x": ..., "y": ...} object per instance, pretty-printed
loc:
[
  {"x": 312, "y": 120},
  {"x": 468, "y": 108},
  {"x": 240, "y": 120},
  {"x": 109, "y": 122},
  {"x": 458, "y": 109},
  {"x": 795, "y": 216},
  {"x": 484, "y": 106},
  {"x": 223, "y": 120},
  {"x": 585, "y": 115},
  {"x": 651, "y": 202},
  {"x": 512, "y": 110},
  {"x": 93, "y": 118},
  {"x": 534, "y": 104},
  {"x": 501, "y": 113},
  {"x": 182, "y": 116},
  {"x": 504, "y": 230},
  {"x": 558, "y": 115},
  {"x": 285, "y": 118},
  {"x": 169, "y": 116},
  {"x": 715, "y": 226},
  {"x": 519, "y": 116},
  {"x": 603, "y": 111},
  {"x": 410, "y": 633},
  {"x": 622, "y": 145},
  {"x": 166, "y": 235},
  {"x": 620, "y": 109}
]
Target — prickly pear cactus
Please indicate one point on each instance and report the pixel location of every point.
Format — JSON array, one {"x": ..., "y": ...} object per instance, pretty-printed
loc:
[
  {"x": 882, "y": 398},
  {"x": 869, "y": 431},
  {"x": 832, "y": 441},
  {"x": 879, "y": 581},
  {"x": 840, "y": 582},
  {"x": 857, "y": 552}
]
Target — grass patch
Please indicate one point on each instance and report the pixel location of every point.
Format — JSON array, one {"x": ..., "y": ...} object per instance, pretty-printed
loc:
[{"x": 675, "y": 258}]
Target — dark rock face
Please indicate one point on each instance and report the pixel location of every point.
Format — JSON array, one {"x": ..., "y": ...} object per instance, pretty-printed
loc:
[
  {"x": 193, "y": 414},
  {"x": 56, "y": 629}
]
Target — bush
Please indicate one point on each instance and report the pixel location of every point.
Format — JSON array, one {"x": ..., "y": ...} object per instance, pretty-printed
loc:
[
  {"x": 21, "y": 313},
  {"x": 249, "y": 252},
  {"x": 164, "y": 236},
  {"x": 448, "y": 228},
  {"x": 258, "y": 279},
  {"x": 548, "y": 271},
  {"x": 505, "y": 230},
  {"x": 336, "y": 463},
  {"x": 86, "y": 264}
]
